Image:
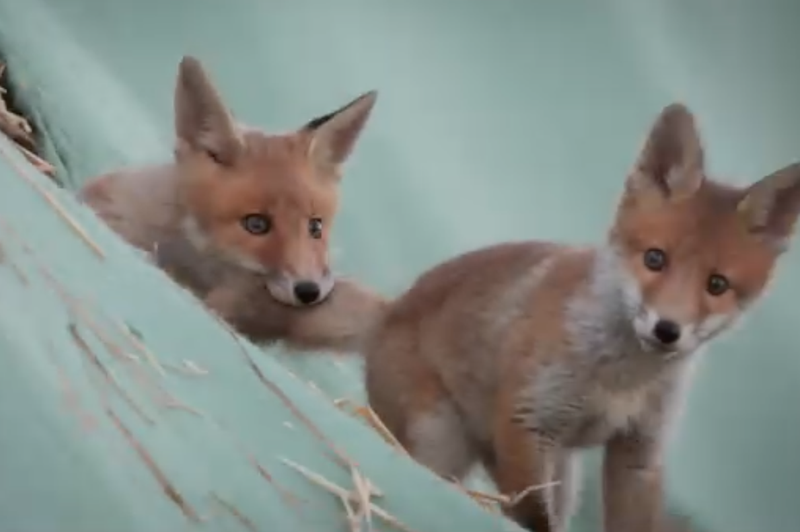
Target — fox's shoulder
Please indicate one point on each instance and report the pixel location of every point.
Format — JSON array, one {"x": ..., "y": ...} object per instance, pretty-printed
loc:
[
  {"x": 480, "y": 272},
  {"x": 505, "y": 259},
  {"x": 140, "y": 203}
]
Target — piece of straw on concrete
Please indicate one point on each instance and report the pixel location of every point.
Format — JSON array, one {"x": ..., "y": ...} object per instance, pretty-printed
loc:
[
  {"x": 372, "y": 419},
  {"x": 361, "y": 495},
  {"x": 498, "y": 501}
]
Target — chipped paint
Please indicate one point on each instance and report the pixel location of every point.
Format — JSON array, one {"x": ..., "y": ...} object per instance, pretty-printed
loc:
[
  {"x": 51, "y": 200},
  {"x": 271, "y": 386},
  {"x": 136, "y": 341},
  {"x": 23, "y": 279},
  {"x": 109, "y": 377},
  {"x": 235, "y": 512},
  {"x": 289, "y": 497},
  {"x": 70, "y": 396},
  {"x": 169, "y": 489}
]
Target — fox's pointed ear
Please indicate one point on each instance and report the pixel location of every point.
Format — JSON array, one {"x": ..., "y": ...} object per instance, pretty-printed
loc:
[
  {"x": 771, "y": 206},
  {"x": 202, "y": 121},
  {"x": 671, "y": 160},
  {"x": 334, "y": 135}
]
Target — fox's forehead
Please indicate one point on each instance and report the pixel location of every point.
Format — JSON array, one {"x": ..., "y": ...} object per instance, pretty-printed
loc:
[
  {"x": 272, "y": 176},
  {"x": 281, "y": 198},
  {"x": 705, "y": 229},
  {"x": 275, "y": 175},
  {"x": 276, "y": 156}
]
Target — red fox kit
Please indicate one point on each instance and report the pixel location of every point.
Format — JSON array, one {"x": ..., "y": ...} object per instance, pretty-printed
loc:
[
  {"x": 520, "y": 354},
  {"x": 237, "y": 203}
]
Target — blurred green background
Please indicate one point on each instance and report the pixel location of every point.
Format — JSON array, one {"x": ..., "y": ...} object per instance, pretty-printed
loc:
[{"x": 495, "y": 121}]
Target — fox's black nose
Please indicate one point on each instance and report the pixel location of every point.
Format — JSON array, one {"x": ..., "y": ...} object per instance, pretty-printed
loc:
[
  {"x": 667, "y": 332},
  {"x": 306, "y": 292}
]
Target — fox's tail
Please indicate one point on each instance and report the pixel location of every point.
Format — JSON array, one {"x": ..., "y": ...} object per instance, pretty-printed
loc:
[{"x": 341, "y": 323}]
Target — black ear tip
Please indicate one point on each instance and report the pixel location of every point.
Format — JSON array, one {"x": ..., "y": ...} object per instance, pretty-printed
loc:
[
  {"x": 368, "y": 99},
  {"x": 315, "y": 123}
]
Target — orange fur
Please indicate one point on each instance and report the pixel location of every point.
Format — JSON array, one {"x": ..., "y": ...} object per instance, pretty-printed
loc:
[
  {"x": 518, "y": 355},
  {"x": 241, "y": 217}
]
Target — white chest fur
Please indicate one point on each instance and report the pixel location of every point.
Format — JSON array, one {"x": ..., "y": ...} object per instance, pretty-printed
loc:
[
  {"x": 620, "y": 408},
  {"x": 605, "y": 414}
]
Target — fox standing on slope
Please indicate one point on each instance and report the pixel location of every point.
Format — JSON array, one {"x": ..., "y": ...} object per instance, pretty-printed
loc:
[
  {"x": 242, "y": 218},
  {"x": 520, "y": 354}
]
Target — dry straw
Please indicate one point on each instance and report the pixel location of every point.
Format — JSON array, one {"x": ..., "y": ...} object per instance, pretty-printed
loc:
[{"x": 20, "y": 131}]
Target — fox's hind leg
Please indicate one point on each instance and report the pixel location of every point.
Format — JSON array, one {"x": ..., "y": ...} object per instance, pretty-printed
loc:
[
  {"x": 410, "y": 400},
  {"x": 436, "y": 438}
]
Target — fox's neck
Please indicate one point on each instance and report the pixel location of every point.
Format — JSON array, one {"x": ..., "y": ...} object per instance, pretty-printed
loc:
[{"x": 601, "y": 326}]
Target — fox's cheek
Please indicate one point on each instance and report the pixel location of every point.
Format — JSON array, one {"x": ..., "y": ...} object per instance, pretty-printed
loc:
[
  {"x": 731, "y": 302},
  {"x": 720, "y": 312},
  {"x": 244, "y": 242},
  {"x": 255, "y": 250},
  {"x": 270, "y": 253},
  {"x": 323, "y": 257},
  {"x": 712, "y": 325},
  {"x": 721, "y": 316},
  {"x": 645, "y": 278},
  {"x": 754, "y": 283}
]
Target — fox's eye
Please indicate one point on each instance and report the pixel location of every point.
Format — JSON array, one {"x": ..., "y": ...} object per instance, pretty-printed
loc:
[
  {"x": 315, "y": 227},
  {"x": 257, "y": 224},
  {"x": 655, "y": 259},
  {"x": 717, "y": 284}
]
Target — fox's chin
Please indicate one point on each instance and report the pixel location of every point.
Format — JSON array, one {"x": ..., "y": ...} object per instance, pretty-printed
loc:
[
  {"x": 653, "y": 346},
  {"x": 293, "y": 303},
  {"x": 678, "y": 351}
]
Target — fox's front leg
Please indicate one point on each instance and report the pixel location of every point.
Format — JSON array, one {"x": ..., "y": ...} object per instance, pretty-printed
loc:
[
  {"x": 632, "y": 482},
  {"x": 530, "y": 459},
  {"x": 340, "y": 322},
  {"x": 249, "y": 310},
  {"x": 524, "y": 468},
  {"x": 633, "y": 463}
]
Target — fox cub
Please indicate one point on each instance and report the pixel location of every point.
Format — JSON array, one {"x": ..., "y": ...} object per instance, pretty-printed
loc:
[
  {"x": 520, "y": 354},
  {"x": 242, "y": 217}
]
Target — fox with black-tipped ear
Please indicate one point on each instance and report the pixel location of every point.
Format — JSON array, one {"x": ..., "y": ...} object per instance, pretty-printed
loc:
[{"x": 239, "y": 207}]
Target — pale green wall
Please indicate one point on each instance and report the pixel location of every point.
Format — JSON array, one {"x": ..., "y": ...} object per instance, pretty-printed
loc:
[{"x": 496, "y": 120}]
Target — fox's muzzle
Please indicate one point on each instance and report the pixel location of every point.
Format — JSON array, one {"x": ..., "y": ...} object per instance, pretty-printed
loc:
[{"x": 299, "y": 292}]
